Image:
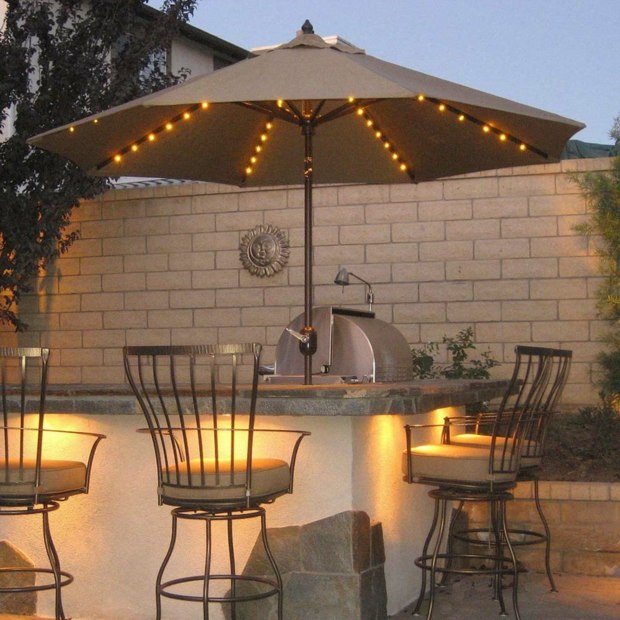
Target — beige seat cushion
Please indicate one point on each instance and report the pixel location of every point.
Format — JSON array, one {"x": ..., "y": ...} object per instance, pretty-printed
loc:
[
  {"x": 270, "y": 478},
  {"x": 58, "y": 478},
  {"x": 530, "y": 450},
  {"x": 453, "y": 463}
]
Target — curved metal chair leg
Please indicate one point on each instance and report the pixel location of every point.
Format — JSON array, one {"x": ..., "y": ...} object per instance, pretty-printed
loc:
[
  {"x": 433, "y": 568},
  {"x": 545, "y": 524},
  {"x": 515, "y": 566},
  {"x": 498, "y": 532},
  {"x": 272, "y": 561},
  {"x": 162, "y": 568},
  {"x": 54, "y": 560},
  {"x": 427, "y": 542}
]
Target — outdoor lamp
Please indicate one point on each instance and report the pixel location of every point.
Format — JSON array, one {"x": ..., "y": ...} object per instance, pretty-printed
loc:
[{"x": 343, "y": 280}]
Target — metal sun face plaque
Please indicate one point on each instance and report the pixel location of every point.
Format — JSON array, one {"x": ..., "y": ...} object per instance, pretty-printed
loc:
[{"x": 264, "y": 250}]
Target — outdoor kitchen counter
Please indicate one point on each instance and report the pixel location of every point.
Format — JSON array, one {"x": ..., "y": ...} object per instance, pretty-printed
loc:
[{"x": 363, "y": 399}]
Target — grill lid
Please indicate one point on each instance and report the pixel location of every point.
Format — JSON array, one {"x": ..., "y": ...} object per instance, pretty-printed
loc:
[{"x": 353, "y": 346}]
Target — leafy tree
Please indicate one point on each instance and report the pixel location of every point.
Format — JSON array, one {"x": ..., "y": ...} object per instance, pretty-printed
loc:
[
  {"x": 61, "y": 60},
  {"x": 602, "y": 192}
]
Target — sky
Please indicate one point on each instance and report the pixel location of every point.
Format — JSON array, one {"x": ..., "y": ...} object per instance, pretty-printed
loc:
[{"x": 562, "y": 56}]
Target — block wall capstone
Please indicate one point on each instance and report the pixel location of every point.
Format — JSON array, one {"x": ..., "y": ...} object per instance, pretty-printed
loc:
[{"x": 496, "y": 251}]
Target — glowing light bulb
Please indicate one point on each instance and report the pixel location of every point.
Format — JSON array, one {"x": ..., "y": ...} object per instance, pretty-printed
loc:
[
  {"x": 421, "y": 97},
  {"x": 258, "y": 148},
  {"x": 263, "y": 137},
  {"x": 280, "y": 103},
  {"x": 118, "y": 158},
  {"x": 461, "y": 117},
  {"x": 369, "y": 123},
  {"x": 253, "y": 159},
  {"x": 395, "y": 156},
  {"x": 186, "y": 115},
  {"x": 204, "y": 105},
  {"x": 442, "y": 107},
  {"x": 503, "y": 137},
  {"x": 71, "y": 129},
  {"x": 377, "y": 134},
  {"x": 360, "y": 111},
  {"x": 134, "y": 147},
  {"x": 249, "y": 170},
  {"x": 168, "y": 126},
  {"x": 386, "y": 145},
  {"x": 269, "y": 125},
  {"x": 486, "y": 128},
  {"x": 151, "y": 137},
  {"x": 522, "y": 147},
  {"x": 96, "y": 121},
  {"x": 403, "y": 167},
  {"x": 351, "y": 99}
]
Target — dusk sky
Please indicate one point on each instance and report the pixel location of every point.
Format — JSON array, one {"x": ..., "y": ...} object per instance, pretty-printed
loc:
[{"x": 559, "y": 55}]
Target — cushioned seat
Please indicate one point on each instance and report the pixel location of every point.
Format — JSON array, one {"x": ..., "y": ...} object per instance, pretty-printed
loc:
[
  {"x": 450, "y": 463},
  {"x": 270, "y": 478},
  {"x": 57, "y": 478},
  {"x": 531, "y": 453}
]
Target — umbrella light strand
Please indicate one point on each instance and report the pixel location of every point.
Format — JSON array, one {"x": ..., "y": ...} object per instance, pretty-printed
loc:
[
  {"x": 151, "y": 136},
  {"x": 387, "y": 143},
  {"x": 258, "y": 149},
  {"x": 487, "y": 128}
]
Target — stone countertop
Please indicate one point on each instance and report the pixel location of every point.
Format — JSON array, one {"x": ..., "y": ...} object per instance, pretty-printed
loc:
[{"x": 301, "y": 400}]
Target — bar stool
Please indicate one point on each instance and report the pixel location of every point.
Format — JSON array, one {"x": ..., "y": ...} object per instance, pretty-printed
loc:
[
  {"x": 478, "y": 474},
  {"x": 549, "y": 368},
  {"x": 201, "y": 421},
  {"x": 32, "y": 483}
]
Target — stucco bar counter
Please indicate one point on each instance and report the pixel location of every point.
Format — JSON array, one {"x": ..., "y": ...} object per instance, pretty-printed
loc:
[{"x": 345, "y": 539}]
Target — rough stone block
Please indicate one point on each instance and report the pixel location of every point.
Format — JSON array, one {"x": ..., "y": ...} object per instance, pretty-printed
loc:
[{"x": 19, "y": 603}]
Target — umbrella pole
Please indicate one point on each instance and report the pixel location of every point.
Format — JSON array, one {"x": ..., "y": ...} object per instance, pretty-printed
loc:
[{"x": 309, "y": 344}]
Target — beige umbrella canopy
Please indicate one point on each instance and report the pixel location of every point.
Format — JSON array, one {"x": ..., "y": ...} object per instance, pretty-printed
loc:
[{"x": 311, "y": 112}]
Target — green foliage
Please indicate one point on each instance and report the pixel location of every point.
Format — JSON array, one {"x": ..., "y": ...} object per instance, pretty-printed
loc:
[
  {"x": 602, "y": 192},
  {"x": 460, "y": 366},
  {"x": 60, "y": 61}
]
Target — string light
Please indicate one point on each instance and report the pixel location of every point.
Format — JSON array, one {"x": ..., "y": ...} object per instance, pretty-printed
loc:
[
  {"x": 262, "y": 139},
  {"x": 387, "y": 144},
  {"x": 487, "y": 128},
  {"x": 151, "y": 136}
]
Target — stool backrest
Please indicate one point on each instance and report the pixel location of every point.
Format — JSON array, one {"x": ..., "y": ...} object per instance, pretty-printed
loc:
[
  {"x": 23, "y": 375},
  {"x": 553, "y": 366},
  {"x": 195, "y": 412}
]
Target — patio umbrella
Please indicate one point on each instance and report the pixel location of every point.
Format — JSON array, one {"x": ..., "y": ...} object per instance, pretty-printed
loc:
[{"x": 315, "y": 112}]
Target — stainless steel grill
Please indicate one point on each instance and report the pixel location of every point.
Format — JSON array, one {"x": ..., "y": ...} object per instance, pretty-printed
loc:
[{"x": 353, "y": 347}]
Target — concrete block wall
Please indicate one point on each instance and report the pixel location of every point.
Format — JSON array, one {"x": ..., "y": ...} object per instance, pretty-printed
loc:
[{"x": 496, "y": 251}]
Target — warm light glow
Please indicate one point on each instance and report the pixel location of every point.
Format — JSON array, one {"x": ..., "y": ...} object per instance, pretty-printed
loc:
[
  {"x": 258, "y": 148},
  {"x": 442, "y": 107},
  {"x": 151, "y": 137},
  {"x": 168, "y": 126},
  {"x": 351, "y": 99},
  {"x": 421, "y": 97},
  {"x": 204, "y": 105},
  {"x": 71, "y": 129},
  {"x": 280, "y": 103},
  {"x": 461, "y": 117},
  {"x": 522, "y": 147},
  {"x": 403, "y": 168},
  {"x": 269, "y": 125},
  {"x": 134, "y": 147},
  {"x": 118, "y": 158},
  {"x": 486, "y": 128},
  {"x": 368, "y": 123},
  {"x": 377, "y": 134},
  {"x": 263, "y": 137},
  {"x": 96, "y": 121},
  {"x": 503, "y": 137},
  {"x": 360, "y": 111},
  {"x": 386, "y": 145},
  {"x": 248, "y": 170},
  {"x": 253, "y": 159},
  {"x": 187, "y": 115}
]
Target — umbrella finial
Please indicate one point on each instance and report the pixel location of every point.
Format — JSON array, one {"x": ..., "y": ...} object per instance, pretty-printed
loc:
[{"x": 307, "y": 27}]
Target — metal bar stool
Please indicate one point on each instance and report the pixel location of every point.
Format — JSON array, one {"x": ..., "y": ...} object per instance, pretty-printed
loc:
[
  {"x": 201, "y": 421},
  {"x": 478, "y": 474},
  {"x": 549, "y": 369},
  {"x": 31, "y": 482}
]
